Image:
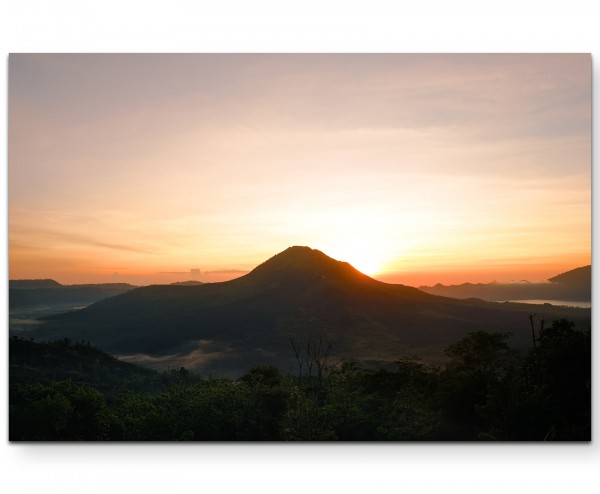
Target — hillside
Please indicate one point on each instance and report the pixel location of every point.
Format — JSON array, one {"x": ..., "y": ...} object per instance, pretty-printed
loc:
[
  {"x": 31, "y": 284},
  {"x": 34, "y": 362},
  {"x": 579, "y": 276},
  {"x": 65, "y": 391},
  {"x": 35, "y": 293},
  {"x": 300, "y": 293}
]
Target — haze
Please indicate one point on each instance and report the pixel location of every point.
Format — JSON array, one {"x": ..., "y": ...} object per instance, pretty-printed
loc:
[{"x": 416, "y": 169}]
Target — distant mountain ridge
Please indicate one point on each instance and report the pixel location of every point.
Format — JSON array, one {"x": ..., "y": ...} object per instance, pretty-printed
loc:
[
  {"x": 32, "y": 293},
  {"x": 33, "y": 284},
  {"x": 300, "y": 293},
  {"x": 574, "y": 285}
]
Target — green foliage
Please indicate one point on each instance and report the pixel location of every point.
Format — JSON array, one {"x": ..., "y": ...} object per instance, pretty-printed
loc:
[
  {"x": 559, "y": 384},
  {"x": 59, "y": 411},
  {"x": 66, "y": 391},
  {"x": 479, "y": 365},
  {"x": 480, "y": 354},
  {"x": 544, "y": 396}
]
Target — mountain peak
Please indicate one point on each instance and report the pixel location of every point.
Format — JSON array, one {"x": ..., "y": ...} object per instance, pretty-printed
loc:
[
  {"x": 298, "y": 252},
  {"x": 302, "y": 261},
  {"x": 296, "y": 256}
]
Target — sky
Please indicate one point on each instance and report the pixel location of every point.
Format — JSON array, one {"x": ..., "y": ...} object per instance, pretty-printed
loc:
[{"x": 416, "y": 169}]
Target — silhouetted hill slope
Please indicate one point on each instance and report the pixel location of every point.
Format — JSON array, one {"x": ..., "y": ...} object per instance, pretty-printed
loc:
[
  {"x": 115, "y": 287},
  {"x": 31, "y": 293},
  {"x": 249, "y": 320},
  {"x": 187, "y": 283},
  {"x": 577, "y": 276},
  {"x": 574, "y": 285},
  {"x": 33, "y": 362},
  {"x": 29, "y": 284}
]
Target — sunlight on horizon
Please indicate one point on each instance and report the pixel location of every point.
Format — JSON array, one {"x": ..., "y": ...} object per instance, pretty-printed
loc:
[
  {"x": 142, "y": 168},
  {"x": 367, "y": 258}
]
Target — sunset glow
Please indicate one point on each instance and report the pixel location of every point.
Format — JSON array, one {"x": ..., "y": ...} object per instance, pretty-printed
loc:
[{"x": 416, "y": 169}]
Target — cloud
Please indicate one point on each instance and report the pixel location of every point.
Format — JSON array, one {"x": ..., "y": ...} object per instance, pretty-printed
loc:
[
  {"x": 160, "y": 161},
  {"x": 56, "y": 237},
  {"x": 106, "y": 245},
  {"x": 194, "y": 359}
]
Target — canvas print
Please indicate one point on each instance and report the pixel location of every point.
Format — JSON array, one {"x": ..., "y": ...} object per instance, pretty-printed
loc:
[{"x": 299, "y": 247}]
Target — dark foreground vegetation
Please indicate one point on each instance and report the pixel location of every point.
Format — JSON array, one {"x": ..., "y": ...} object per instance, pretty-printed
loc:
[{"x": 488, "y": 391}]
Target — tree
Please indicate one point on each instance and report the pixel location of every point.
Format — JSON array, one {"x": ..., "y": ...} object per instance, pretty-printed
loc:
[
  {"x": 481, "y": 354},
  {"x": 563, "y": 387},
  {"x": 480, "y": 365}
]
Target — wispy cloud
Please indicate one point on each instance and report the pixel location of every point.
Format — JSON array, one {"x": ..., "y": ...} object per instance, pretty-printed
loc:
[
  {"x": 195, "y": 359},
  {"x": 44, "y": 238},
  {"x": 162, "y": 162}
]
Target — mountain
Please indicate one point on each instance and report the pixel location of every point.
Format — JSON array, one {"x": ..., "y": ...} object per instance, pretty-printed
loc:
[
  {"x": 579, "y": 276},
  {"x": 574, "y": 285},
  {"x": 33, "y": 293},
  {"x": 33, "y": 362},
  {"x": 31, "y": 284},
  {"x": 300, "y": 293}
]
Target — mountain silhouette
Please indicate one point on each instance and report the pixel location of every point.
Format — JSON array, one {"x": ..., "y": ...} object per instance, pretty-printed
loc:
[
  {"x": 35, "y": 293},
  {"x": 298, "y": 264},
  {"x": 577, "y": 276},
  {"x": 574, "y": 285},
  {"x": 304, "y": 274},
  {"x": 33, "y": 284},
  {"x": 300, "y": 293}
]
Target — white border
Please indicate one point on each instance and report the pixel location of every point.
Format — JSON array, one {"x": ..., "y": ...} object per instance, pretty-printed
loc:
[{"x": 307, "y": 26}]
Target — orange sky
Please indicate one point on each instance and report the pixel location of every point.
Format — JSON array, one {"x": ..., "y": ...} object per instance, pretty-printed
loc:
[{"x": 415, "y": 168}]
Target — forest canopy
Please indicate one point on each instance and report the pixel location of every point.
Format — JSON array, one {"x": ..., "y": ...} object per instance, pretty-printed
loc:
[{"x": 70, "y": 391}]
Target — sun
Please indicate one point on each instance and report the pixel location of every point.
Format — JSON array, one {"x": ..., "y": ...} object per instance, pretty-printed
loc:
[
  {"x": 367, "y": 266},
  {"x": 368, "y": 259}
]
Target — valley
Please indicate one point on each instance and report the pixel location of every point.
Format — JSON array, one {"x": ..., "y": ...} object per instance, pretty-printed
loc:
[{"x": 226, "y": 328}]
